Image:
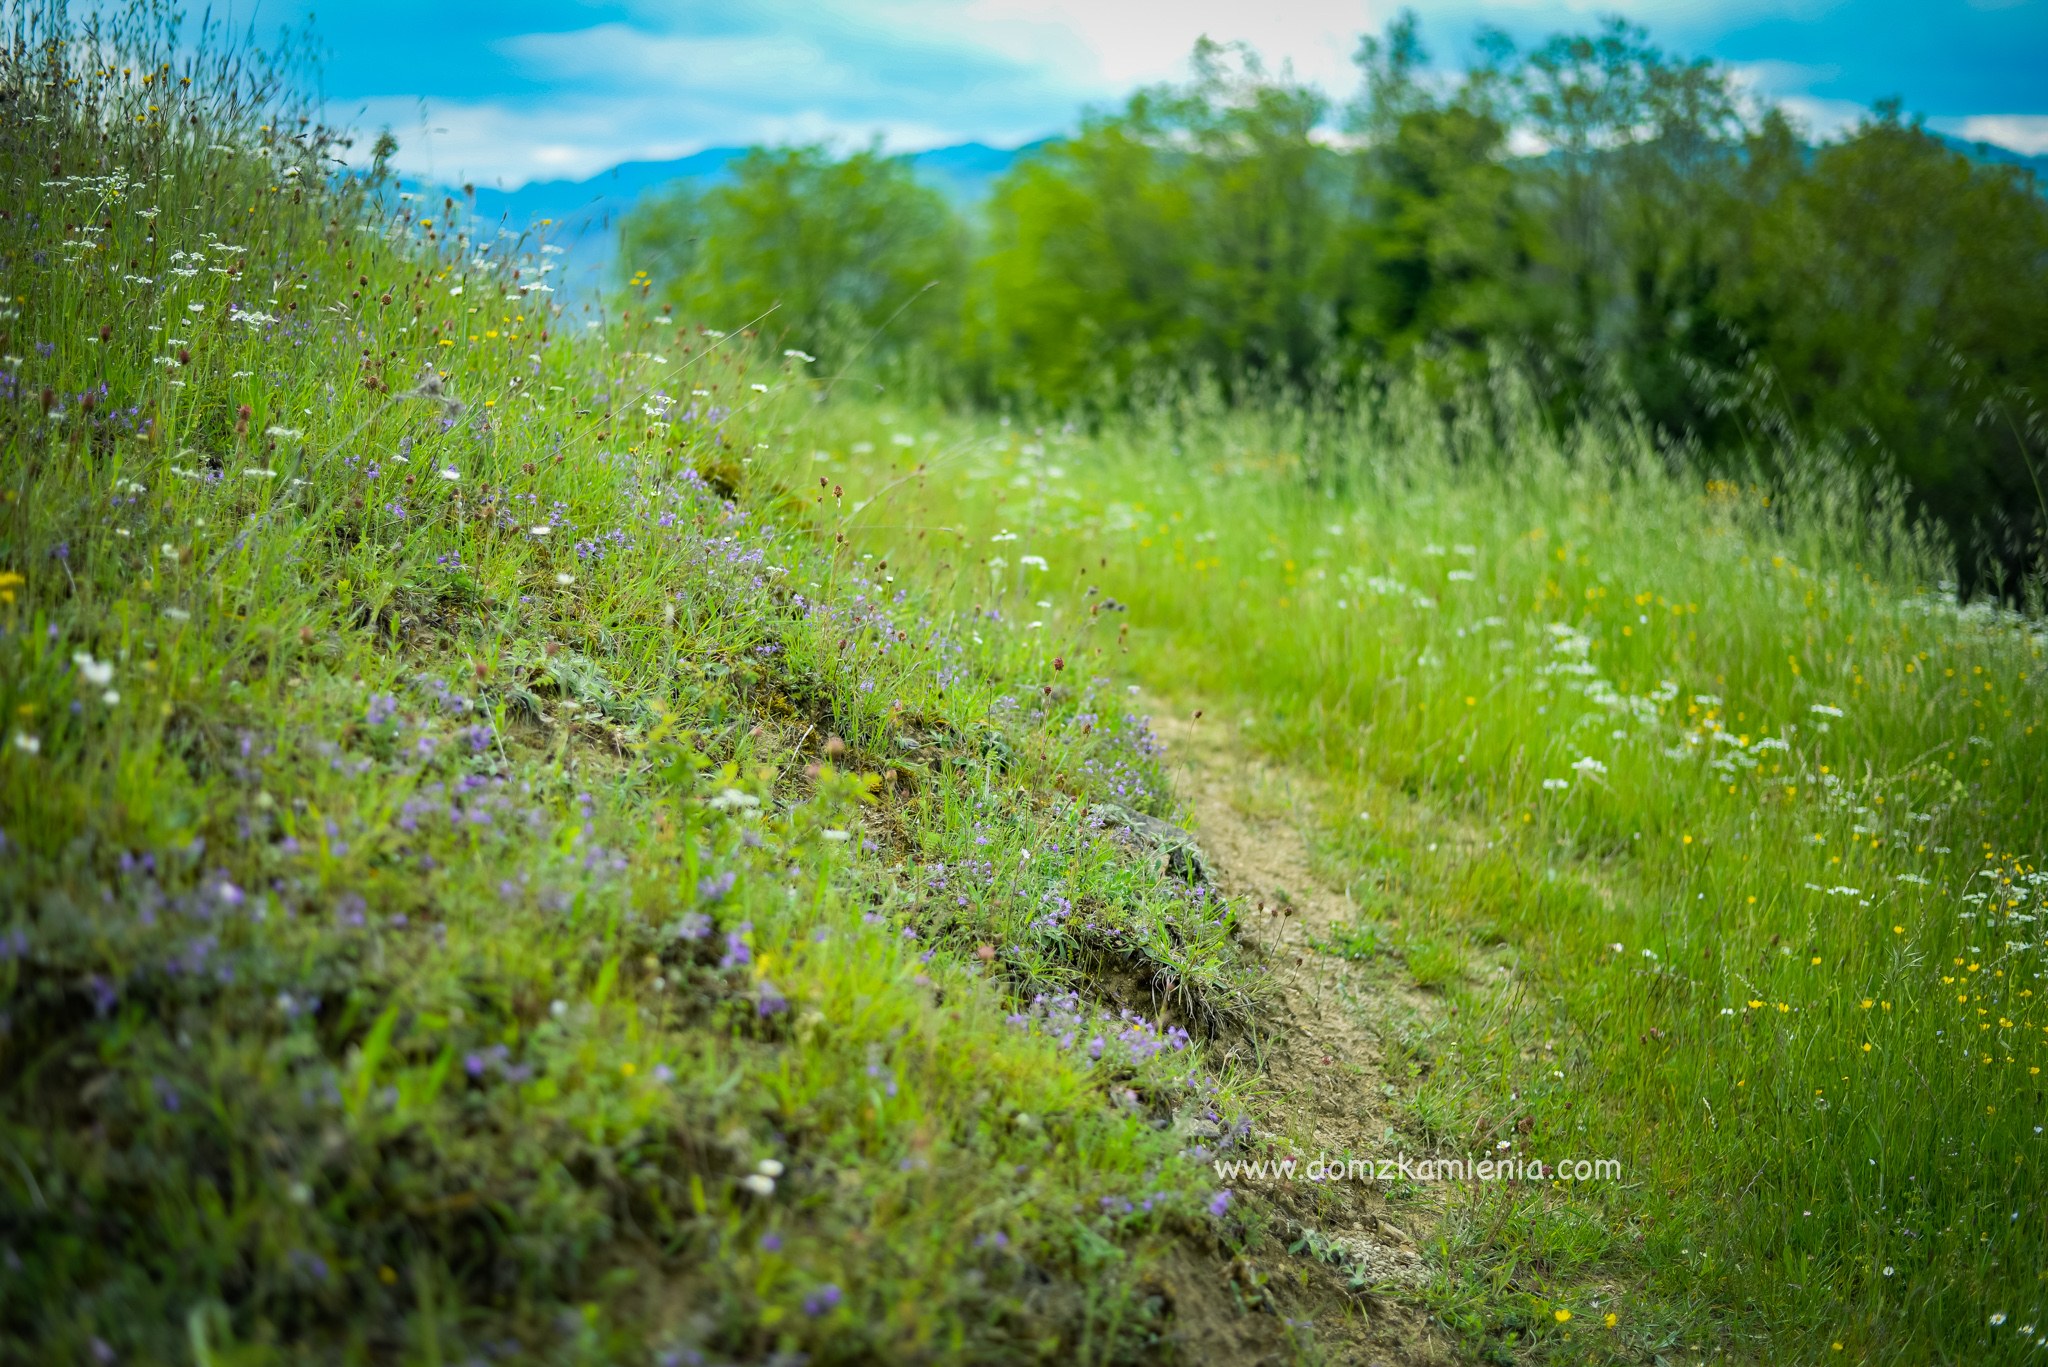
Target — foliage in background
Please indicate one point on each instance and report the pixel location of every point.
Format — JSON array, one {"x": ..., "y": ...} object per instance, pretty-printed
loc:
[
  {"x": 850, "y": 255},
  {"x": 1194, "y": 232},
  {"x": 1655, "y": 243}
]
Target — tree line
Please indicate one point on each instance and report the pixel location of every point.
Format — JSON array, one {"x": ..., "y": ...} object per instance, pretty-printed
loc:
[{"x": 1616, "y": 220}]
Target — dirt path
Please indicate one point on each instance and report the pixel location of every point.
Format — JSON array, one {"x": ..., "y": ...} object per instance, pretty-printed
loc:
[{"x": 1320, "y": 1049}]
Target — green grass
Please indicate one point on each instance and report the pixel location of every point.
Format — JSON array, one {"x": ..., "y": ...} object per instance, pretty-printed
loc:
[
  {"x": 1743, "y": 811},
  {"x": 484, "y": 875},
  {"x": 681, "y": 930}
]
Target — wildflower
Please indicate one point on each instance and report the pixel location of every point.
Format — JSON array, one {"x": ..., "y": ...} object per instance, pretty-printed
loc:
[
  {"x": 102, "y": 993},
  {"x": 450, "y": 473},
  {"x": 821, "y": 1300},
  {"x": 1997, "y": 1318},
  {"x": 1610, "y": 1319},
  {"x": 1561, "y": 1315},
  {"x": 98, "y": 673},
  {"x": 9, "y": 582},
  {"x": 759, "y": 1184},
  {"x": 27, "y": 744},
  {"x": 1219, "y": 1203},
  {"x": 564, "y": 578},
  {"x": 836, "y": 836}
]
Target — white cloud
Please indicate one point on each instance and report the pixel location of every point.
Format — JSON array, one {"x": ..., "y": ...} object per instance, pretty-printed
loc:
[
  {"x": 506, "y": 145},
  {"x": 670, "y": 79},
  {"x": 1785, "y": 85},
  {"x": 2026, "y": 134},
  {"x": 1823, "y": 119},
  {"x": 916, "y": 73},
  {"x": 1107, "y": 47}
]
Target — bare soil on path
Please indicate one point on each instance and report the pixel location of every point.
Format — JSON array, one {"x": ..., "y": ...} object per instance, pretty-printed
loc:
[{"x": 1357, "y": 1264}]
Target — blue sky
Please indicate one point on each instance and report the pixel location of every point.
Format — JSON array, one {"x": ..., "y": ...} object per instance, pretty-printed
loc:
[{"x": 518, "y": 90}]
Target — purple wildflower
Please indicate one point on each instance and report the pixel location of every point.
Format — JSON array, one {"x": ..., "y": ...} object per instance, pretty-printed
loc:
[{"x": 102, "y": 993}]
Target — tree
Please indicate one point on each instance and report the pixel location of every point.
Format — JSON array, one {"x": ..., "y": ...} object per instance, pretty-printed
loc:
[
  {"x": 849, "y": 253},
  {"x": 1192, "y": 231},
  {"x": 1439, "y": 241},
  {"x": 1899, "y": 291}
]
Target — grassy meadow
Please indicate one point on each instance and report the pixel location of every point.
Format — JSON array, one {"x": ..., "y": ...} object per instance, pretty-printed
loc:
[
  {"x": 549, "y": 835},
  {"x": 1726, "y": 814}
]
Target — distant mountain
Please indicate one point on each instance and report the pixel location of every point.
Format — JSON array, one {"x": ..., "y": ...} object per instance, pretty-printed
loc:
[
  {"x": 583, "y": 216},
  {"x": 1992, "y": 153}
]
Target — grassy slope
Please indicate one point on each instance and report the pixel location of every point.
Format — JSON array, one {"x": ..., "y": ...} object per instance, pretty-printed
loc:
[
  {"x": 1725, "y": 818},
  {"x": 469, "y": 885}
]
